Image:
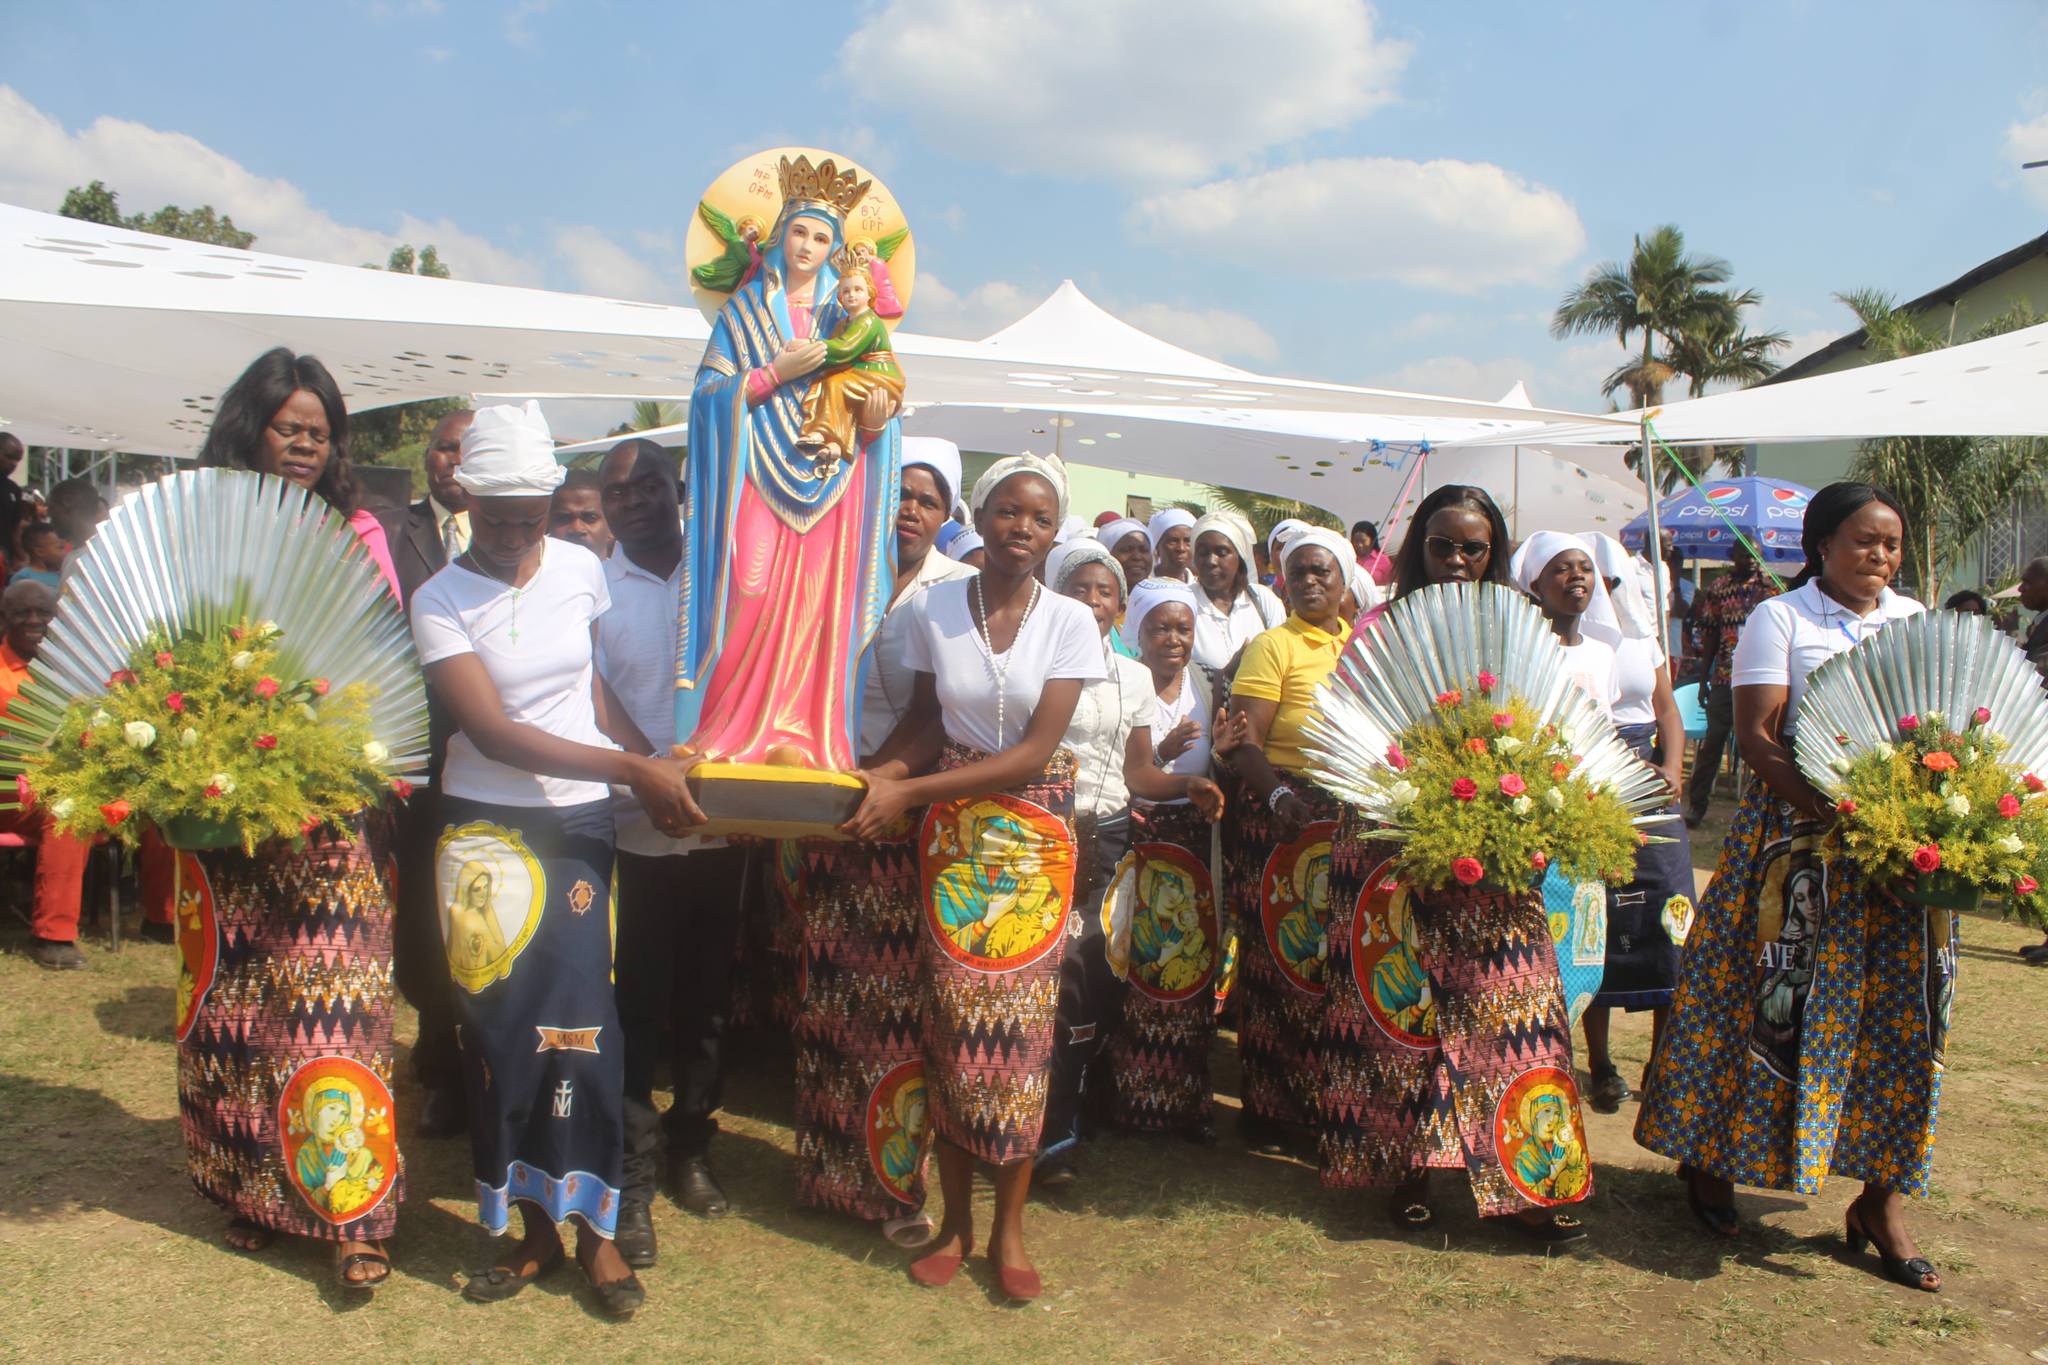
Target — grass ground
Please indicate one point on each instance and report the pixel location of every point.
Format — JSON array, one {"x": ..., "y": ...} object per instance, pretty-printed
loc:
[{"x": 1161, "y": 1251}]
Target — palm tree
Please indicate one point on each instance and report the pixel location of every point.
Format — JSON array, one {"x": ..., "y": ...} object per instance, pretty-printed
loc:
[
  {"x": 1662, "y": 293},
  {"x": 649, "y": 414},
  {"x": 1264, "y": 511}
]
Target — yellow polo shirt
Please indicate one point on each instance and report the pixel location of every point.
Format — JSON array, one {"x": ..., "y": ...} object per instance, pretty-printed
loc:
[{"x": 1286, "y": 665}]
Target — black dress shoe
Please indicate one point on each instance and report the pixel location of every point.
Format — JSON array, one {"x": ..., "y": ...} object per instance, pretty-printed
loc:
[
  {"x": 445, "y": 1114},
  {"x": 56, "y": 954},
  {"x": 690, "y": 1180},
  {"x": 635, "y": 1235}
]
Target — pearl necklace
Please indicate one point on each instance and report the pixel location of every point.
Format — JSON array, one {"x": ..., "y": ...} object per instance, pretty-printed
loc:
[{"x": 999, "y": 666}]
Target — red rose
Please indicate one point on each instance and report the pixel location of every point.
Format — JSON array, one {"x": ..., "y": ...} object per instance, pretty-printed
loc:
[
  {"x": 120, "y": 677},
  {"x": 1465, "y": 789},
  {"x": 1981, "y": 716},
  {"x": 175, "y": 701},
  {"x": 1539, "y": 860},
  {"x": 213, "y": 792},
  {"x": 1486, "y": 682},
  {"x": 114, "y": 812},
  {"x": 1450, "y": 698},
  {"x": 1397, "y": 760},
  {"x": 1927, "y": 858},
  {"x": 1845, "y": 807},
  {"x": 1909, "y": 723},
  {"x": 1560, "y": 771},
  {"x": 2026, "y": 886},
  {"x": 164, "y": 659},
  {"x": 1502, "y": 720},
  {"x": 1468, "y": 870},
  {"x": 2009, "y": 806},
  {"x": 85, "y": 739},
  {"x": 401, "y": 788},
  {"x": 1511, "y": 784},
  {"x": 266, "y": 741},
  {"x": 265, "y": 687},
  {"x": 1940, "y": 761},
  {"x": 1476, "y": 745},
  {"x": 2034, "y": 784},
  {"x": 319, "y": 686}
]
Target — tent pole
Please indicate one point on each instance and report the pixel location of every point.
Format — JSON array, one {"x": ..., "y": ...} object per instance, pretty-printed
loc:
[
  {"x": 1515, "y": 526},
  {"x": 1654, "y": 547}
]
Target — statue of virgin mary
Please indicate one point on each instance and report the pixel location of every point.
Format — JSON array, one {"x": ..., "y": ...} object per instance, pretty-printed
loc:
[{"x": 788, "y": 559}]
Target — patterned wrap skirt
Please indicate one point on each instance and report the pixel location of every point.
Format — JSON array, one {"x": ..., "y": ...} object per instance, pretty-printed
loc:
[
  {"x": 284, "y": 1031},
  {"x": 997, "y": 874},
  {"x": 1648, "y": 919},
  {"x": 1808, "y": 1031},
  {"x": 1159, "y": 917},
  {"x": 1281, "y": 891},
  {"x": 527, "y": 917},
  {"x": 1445, "y": 1041},
  {"x": 861, "y": 1129}
]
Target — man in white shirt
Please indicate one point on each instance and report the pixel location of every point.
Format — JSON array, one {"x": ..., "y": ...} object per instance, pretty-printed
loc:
[{"x": 679, "y": 899}]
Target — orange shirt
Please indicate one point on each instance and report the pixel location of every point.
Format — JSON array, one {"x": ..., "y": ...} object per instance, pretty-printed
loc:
[{"x": 13, "y": 673}]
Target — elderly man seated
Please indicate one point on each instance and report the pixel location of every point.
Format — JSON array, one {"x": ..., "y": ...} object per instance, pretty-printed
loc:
[{"x": 26, "y": 609}]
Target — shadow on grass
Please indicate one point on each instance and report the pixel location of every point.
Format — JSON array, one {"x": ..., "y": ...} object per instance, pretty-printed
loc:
[
  {"x": 78, "y": 1149},
  {"x": 146, "y": 1014}
]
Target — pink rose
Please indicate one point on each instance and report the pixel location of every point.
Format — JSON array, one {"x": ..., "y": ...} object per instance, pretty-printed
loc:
[
  {"x": 2026, "y": 886},
  {"x": 164, "y": 659},
  {"x": 1909, "y": 723},
  {"x": 1502, "y": 720},
  {"x": 1487, "y": 681},
  {"x": 1845, "y": 807},
  {"x": 1927, "y": 858},
  {"x": 1397, "y": 760},
  {"x": 265, "y": 687},
  {"x": 1468, "y": 870},
  {"x": 175, "y": 701},
  {"x": 1511, "y": 784},
  {"x": 1981, "y": 716},
  {"x": 1539, "y": 860},
  {"x": 2009, "y": 806}
]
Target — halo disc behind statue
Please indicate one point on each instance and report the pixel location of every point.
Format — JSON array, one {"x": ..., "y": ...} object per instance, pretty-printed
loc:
[{"x": 752, "y": 188}]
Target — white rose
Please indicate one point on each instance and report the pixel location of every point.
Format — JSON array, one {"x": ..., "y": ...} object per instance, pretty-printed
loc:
[
  {"x": 1959, "y": 804},
  {"x": 140, "y": 734},
  {"x": 62, "y": 810},
  {"x": 224, "y": 781},
  {"x": 1402, "y": 795},
  {"x": 1884, "y": 750},
  {"x": 2012, "y": 843},
  {"x": 100, "y": 717},
  {"x": 242, "y": 660},
  {"x": 375, "y": 753},
  {"x": 188, "y": 737},
  {"x": 308, "y": 712},
  {"x": 1934, "y": 718},
  {"x": 266, "y": 629},
  {"x": 1554, "y": 798},
  {"x": 1840, "y": 765},
  {"x": 1522, "y": 805},
  {"x": 1507, "y": 744}
]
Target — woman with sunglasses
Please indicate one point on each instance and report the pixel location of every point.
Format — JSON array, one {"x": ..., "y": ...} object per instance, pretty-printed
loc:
[{"x": 1485, "y": 1008}]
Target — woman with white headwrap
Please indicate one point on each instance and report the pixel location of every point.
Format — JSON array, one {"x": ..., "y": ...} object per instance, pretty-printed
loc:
[
  {"x": 1171, "y": 532},
  {"x": 1277, "y": 849},
  {"x": 1230, "y": 605},
  {"x": 1647, "y": 919},
  {"x": 1166, "y": 936},
  {"x": 856, "y": 1027},
  {"x": 967, "y": 548},
  {"x": 507, "y": 632},
  {"x": 1110, "y": 737},
  {"x": 1131, "y": 543},
  {"x": 999, "y": 663},
  {"x": 1557, "y": 571}
]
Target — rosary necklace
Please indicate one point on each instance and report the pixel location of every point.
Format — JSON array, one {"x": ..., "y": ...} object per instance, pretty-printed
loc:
[{"x": 999, "y": 665}]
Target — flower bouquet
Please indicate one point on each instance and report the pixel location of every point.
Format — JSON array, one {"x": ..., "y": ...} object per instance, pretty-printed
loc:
[
  {"x": 1931, "y": 739},
  {"x": 226, "y": 665},
  {"x": 1454, "y": 724}
]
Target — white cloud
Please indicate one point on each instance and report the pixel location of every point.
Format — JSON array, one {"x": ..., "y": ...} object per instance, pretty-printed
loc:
[
  {"x": 518, "y": 31},
  {"x": 936, "y": 309},
  {"x": 2028, "y": 141},
  {"x": 1460, "y": 226},
  {"x": 1799, "y": 345},
  {"x": 1566, "y": 377},
  {"x": 40, "y": 160},
  {"x": 1123, "y": 88},
  {"x": 599, "y": 265},
  {"x": 1214, "y": 332}
]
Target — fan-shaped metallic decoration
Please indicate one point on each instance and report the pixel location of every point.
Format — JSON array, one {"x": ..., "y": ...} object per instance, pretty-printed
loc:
[
  {"x": 1943, "y": 663},
  {"x": 1440, "y": 639},
  {"x": 207, "y": 548}
]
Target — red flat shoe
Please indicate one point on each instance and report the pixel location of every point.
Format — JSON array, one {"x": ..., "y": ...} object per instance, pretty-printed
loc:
[
  {"x": 937, "y": 1270},
  {"x": 1020, "y": 1285}
]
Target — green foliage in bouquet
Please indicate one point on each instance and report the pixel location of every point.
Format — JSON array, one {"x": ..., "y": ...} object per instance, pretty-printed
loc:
[
  {"x": 1940, "y": 803},
  {"x": 1482, "y": 794},
  {"x": 201, "y": 732}
]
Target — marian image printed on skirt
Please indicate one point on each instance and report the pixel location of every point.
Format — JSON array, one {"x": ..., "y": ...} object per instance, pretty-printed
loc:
[
  {"x": 1536, "y": 1135},
  {"x": 1159, "y": 920},
  {"x": 897, "y": 1129},
  {"x": 1790, "y": 907},
  {"x": 1294, "y": 903},
  {"x": 1001, "y": 873},
  {"x": 340, "y": 1148},
  {"x": 1386, "y": 961},
  {"x": 198, "y": 932},
  {"x": 491, "y": 890}
]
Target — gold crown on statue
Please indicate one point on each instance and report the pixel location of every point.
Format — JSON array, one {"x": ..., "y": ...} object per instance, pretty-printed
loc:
[{"x": 822, "y": 186}]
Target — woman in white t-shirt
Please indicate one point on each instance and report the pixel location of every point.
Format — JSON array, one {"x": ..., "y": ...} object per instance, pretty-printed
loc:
[
  {"x": 1807, "y": 1034},
  {"x": 1000, "y": 663},
  {"x": 1647, "y": 919},
  {"x": 1110, "y": 737},
  {"x": 507, "y": 632},
  {"x": 1557, "y": 570},
  {"x": 1230, "y": 607},
  {"x": 1166, "y": 935}
]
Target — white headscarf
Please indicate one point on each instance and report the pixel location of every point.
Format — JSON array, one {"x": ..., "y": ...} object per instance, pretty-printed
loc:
[
  {"x": 1069, "y": 559},
  {"x": 1534, "y": 556},
  {"x": 964, "y": 544},
  {"x": 1281, "y": 531},
  {"x": 1162, "y": 522},
  {"x": 1152, "y": 593},
  {"x": 1116, "y": 530},
  {"x": 1052, "y": 471},
  {"x": 509, "y": 452},
  {"x": 1364, "y": 590},
  {"x": 1234, "y": 529},
  {"x": 1613, "y": 560},
  {"x": 940, "y": 456},
  {"x": 1323, "y": 539}
]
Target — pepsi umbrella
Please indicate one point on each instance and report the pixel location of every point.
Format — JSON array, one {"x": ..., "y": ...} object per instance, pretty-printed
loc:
[{"x": 1769, "y": 512}]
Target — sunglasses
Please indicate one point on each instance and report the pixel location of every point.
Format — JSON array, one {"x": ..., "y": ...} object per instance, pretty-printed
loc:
[{"x": 1443, "y": 547}]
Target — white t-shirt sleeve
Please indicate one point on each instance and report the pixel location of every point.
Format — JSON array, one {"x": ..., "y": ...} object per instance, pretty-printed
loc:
[
  {"x": 916, "y": 633},
  {"x": 437, "y": 629},
  {"x": 1076, "y": 644},
  {"x": 1763, "y": 653}
]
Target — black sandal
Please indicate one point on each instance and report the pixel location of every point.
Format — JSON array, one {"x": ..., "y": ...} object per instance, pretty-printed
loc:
[
  {"x": 1718, "y": 1219},
  {"x": 1910, "y": 1271},
  {"x": 620, "y": 1298},
  {"x": 1408, "y": 1206},
  {"x": 502, "y": 1282},
  {"x": 1609, "y": 1091},
  {"x": 355, "y": 1260},
  {"x": 1556, "y": 1230}
]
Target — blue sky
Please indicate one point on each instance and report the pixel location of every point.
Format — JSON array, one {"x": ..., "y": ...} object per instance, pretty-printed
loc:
[{"x": 1391, "y": 194}]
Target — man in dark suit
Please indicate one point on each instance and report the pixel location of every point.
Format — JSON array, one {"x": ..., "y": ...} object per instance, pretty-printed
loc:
[{"x": 423, "y": 538}]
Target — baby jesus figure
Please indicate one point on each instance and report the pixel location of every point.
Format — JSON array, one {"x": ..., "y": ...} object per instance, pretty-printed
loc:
[{"x": 858, "y": 362}]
